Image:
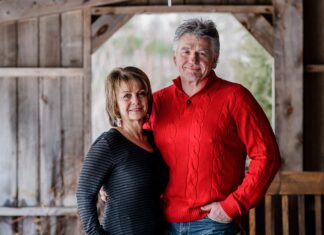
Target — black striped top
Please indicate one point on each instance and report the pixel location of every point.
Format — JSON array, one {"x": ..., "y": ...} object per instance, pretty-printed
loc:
[{"x": 133, "y": 178}]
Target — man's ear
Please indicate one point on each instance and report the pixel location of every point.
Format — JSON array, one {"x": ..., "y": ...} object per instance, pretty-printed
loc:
[
  {"x": 174, "y": 59},
  {"x": 215, "y": 61}
]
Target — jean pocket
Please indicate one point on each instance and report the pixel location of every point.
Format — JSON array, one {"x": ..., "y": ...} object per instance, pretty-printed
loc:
[{"x": 216, "y": 221}]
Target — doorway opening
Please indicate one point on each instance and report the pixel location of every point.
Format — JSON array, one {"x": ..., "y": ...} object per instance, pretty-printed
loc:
[{"x": 145, "y": 41}]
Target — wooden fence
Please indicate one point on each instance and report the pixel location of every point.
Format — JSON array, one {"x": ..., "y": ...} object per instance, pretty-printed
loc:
[{"x": 293, "y": 205}]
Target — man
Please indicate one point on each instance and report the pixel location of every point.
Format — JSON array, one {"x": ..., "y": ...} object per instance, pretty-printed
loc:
[{"x": 205, "y": 127}]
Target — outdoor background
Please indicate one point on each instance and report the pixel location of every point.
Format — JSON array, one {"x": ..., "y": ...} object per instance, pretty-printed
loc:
[{"x": 146, "y": 42}]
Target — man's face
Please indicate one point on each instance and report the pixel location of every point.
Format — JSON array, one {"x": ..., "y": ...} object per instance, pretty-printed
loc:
[{"x": 194, "y": 57}]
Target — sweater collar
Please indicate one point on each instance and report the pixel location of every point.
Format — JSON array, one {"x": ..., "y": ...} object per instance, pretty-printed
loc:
[{"x": 211, "y": 79}]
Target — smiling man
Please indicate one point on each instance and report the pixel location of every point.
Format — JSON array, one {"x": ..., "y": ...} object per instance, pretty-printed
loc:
[{"x": 205, "y": 127}]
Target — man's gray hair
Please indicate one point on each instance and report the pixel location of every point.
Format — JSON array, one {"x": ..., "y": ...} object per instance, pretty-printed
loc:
[{"x": 198, "y": 28}]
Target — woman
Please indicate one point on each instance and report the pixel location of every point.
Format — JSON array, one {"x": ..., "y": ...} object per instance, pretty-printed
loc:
[{"x": 125, "y": 162}]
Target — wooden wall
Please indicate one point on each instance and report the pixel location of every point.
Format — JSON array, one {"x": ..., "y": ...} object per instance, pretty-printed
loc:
[
  {"x": 45, "y": 107},
  {"x": 45, "y": 120},
  {"x": 314, "y": 87}
]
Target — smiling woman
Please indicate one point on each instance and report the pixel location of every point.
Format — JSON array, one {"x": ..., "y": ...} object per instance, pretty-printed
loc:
[{"x": 125, "y": 162}]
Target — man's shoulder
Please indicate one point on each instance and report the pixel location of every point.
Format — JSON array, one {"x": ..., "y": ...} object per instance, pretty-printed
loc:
[
  {"x": 166, "y": 90},
  {"x": 230, "y": 86}
]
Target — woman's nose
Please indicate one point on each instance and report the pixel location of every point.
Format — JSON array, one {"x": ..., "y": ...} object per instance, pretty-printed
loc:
[{"x": 135, "y": 99}]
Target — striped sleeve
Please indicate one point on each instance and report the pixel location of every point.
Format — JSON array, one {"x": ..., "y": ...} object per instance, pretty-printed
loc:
[{"x": 96, "y": 166}]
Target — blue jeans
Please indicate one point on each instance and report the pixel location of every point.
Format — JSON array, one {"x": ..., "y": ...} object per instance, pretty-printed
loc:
[{"x": 203, "y": 226}]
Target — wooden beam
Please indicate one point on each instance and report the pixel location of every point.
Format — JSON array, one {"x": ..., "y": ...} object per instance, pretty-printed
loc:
[
  {"x": 104, "y": 27},
  {"x": 297, "y": 183},
  {"x": 17, "y": 9},
  {"x": 266, "y": 9},
  {"x": 38, "y": 211},
  {"x": 288, "y": 85},
  {"x": 314, "y": 68},
  {"x": 87, "y": 80},
  {"x": 259, "y": 27},
  {"x": 40, "y": 72}
]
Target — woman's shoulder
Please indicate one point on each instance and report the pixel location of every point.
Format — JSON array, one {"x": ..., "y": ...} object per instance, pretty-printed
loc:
[{"x": 110, "y": 137}]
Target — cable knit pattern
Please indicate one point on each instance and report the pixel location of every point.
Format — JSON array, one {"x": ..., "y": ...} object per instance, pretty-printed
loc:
[{"x": 205, "y": 140}]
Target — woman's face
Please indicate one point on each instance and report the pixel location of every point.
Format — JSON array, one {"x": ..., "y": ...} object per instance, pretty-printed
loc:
[{"x": 132, "y": 101}]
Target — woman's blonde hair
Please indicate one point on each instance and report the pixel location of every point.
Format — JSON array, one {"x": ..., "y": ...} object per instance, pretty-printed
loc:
[{"x": 113, "y": 81}]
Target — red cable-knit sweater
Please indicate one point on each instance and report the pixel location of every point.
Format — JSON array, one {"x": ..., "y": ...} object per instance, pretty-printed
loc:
[{"x": 205, "y": 139}]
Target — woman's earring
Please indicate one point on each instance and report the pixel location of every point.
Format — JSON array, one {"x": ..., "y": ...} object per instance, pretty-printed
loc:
[
  {"x": 118, "y": 122},
  {"x": 147, "y": 117}
]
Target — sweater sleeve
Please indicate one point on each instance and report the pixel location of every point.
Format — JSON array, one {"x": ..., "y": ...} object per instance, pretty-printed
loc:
[
  {"x": 96, "y": 166},
  {"x": 256, "y": 133}
]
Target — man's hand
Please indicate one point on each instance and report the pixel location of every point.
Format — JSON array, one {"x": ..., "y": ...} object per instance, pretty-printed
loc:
[
  {"x": 216, "y": 212},
  {"x": 103, "y": 195}
]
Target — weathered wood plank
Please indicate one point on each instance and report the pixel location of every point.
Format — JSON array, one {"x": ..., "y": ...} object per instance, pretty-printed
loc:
[
  {"x": 301, "y": 215},
  {"x": 266, "y": 9},
  {"x": 8, "y": 118},
  {"x": 318, "y": 215},
  {"x": 72, "y": 112},
  {"x": 50, "y": 120},
  {"x": 288, "y": 53},
  {"x": 16, "y": 9},
  {"x": 72, "y": 104},
  {"x": 314, "y": 68},
  {"x": 285, "y": 214},
  {"x": 28, "y": 131},
  {"x": 104, "y": 27},
  {"x": 252, "y": 222},
  {"x": 259, "y": 27},
  {"x": 297, "y": 183},
  {"x": 40, "y": 72},
  {"x": 87, "y": 79},
  {"x": 269, "y": 220}
]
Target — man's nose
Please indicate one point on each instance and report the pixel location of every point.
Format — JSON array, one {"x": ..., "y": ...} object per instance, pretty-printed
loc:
[{"x": 193, "y": 57}]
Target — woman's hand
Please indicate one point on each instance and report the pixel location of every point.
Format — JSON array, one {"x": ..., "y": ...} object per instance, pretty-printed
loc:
[
  {"x": 103, "y": 195},
  {"x": 216, "y": 212}
]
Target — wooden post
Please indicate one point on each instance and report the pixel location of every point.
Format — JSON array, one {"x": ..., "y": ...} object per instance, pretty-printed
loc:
[{"x": 288, "y": 54}]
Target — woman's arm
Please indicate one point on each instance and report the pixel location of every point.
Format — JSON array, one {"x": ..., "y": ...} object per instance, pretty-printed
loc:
[{"x": 95, "y": 168}]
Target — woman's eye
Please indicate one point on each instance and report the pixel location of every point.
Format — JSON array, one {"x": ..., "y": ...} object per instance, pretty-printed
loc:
[
  {"x": 141, "y": 94},
  {"x": 127, "y": 96}
]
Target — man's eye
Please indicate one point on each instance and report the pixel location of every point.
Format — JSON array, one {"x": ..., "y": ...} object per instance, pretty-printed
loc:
[{"x": 185, "y": 52}]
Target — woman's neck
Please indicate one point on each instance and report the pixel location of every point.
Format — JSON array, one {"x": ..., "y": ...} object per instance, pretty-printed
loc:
[{"x": 133, "y": 130}]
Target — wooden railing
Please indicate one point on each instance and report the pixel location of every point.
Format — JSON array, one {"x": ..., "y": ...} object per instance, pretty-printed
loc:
[{"x": 292, "y": 194}]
